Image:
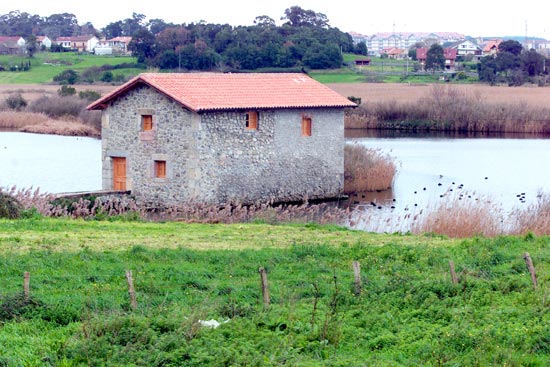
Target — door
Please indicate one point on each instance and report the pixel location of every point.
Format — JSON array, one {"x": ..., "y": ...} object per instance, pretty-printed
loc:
[{"x": 119, "y": 173}]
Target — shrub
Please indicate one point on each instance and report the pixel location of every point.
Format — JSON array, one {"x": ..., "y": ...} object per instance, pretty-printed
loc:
[
  {"x": 367, "y": 169},
  {"x": 16, "y": 102},
  {"x": 66, "y": 90},
  {"x": 107, "y": 77},
  {"x": 10, "y": 207},
  {"x": 18, "y": 306},
  {"x": 89, "y": 95},
  {"x": 68, "y": 76},
  {"x": 356, "y": 100},
  {"x": 58, "y": 107}
]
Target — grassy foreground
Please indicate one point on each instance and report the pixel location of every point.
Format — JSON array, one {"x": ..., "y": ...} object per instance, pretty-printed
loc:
[{"x": 409, "y": 312}]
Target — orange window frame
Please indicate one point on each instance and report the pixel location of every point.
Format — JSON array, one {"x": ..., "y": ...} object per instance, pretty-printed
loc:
[
  {"x": 160, "y": 169},
  {"x": 306, "y": 126},
  {"x": 147, "y": 122},
  {"x": 252, "y": 120}
]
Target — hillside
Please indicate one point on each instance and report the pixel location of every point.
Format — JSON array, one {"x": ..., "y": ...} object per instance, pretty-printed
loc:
[{"x": 407, "y": 313}]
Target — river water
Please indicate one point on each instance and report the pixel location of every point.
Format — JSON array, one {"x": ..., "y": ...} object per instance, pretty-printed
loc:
[
  {"x": 50, "y": 162},
  {"x": 510, "y": 172}
]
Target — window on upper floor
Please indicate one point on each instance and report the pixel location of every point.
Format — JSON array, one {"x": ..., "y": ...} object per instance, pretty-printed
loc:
[
  {"x": 306, "y": 126},
  {"x": 146, "y": 122},
  {"x": 252, "y": 120}
]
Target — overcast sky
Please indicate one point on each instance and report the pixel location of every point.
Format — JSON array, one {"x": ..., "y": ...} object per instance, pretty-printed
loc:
[{"x": 470, "y": 17}]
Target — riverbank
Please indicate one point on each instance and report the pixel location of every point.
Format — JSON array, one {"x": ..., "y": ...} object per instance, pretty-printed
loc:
[{"x": 447, "y": 108}]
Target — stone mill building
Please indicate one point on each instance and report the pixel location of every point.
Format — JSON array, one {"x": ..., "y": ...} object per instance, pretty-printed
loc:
[{"x": 218, "y": 138}]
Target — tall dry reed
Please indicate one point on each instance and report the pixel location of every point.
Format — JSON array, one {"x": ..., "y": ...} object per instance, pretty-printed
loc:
[
  {"x": 62, "y": 127},
  {"x": 367, "y": 169},
  {"x": 17, "y": 120},
  {"x": 447, "y": 108},
  {"x": 534, "y": 219},
  {"x": 459, "y": 218}
]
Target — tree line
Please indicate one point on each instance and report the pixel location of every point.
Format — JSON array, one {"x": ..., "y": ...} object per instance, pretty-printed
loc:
[
  {"x": 305, "y": 39},
  {"x": 512, "y": 64}
]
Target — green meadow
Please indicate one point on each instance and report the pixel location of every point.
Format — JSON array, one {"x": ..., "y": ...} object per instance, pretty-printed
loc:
[
  {"x": 408, "y": 312},
  {"x": 46, "y": 65}
]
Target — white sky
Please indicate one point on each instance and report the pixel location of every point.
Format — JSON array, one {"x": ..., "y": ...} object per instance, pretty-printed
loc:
[{"x": 470, "y": 17}]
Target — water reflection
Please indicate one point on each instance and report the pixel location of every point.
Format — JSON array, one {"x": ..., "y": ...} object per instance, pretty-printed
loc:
[{"x": 396, "y": 134}]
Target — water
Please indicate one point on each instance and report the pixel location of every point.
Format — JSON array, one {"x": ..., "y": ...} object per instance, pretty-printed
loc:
[
  {"x": 50, "y": 162},
  {"x": 509, "y": 172},
  {"x": 505, "y": 173}
]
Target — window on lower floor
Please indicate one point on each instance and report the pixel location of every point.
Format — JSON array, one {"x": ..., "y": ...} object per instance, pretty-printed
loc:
[
  {"x": 160, "y": 169},
  {"x": 252, "y": 120},
  {"x": 306, "y": 126}
]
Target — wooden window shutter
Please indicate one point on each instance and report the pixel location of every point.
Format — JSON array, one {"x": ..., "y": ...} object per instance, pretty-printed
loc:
[
  {"x": 160, "y": 169},
  {"x": 252, "y": 120},
  {"x": 306, "y": 126},
  {"x": 147, "y": 122}
]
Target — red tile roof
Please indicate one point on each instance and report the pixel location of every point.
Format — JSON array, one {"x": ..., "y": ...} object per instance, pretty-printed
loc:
[{"x": 217, "y": 91}]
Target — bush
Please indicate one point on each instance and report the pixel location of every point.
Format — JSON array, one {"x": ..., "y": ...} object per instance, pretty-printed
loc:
[
  {"x": 107, "y": 77},
  {"x": 16, "y": 102},
  {"x": 58, "y": 107},
  {"x": 66, "y": 90},
  {"x": 89, "y": 95},
  {"x": 10, "y": 207},
  {"x": 68, "y": 76}
]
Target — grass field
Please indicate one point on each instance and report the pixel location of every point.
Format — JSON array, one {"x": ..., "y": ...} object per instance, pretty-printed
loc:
[
  {"x": 408, "y": 312},
  {"x": 46, "y": 65}
]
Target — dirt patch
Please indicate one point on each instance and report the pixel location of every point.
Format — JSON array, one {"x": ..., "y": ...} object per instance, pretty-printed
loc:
[{"x": 380, "y": 92}]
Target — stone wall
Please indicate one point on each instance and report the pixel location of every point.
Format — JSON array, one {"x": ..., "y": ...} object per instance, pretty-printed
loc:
[
  {"x": 172, "y": 139},
  {"x": 274, "y": 162},
  {"x": 213, "y": 158}
]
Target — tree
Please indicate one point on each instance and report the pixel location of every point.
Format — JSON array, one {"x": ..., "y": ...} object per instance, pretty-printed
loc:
[
  {"x": 142, "y": 45},
  {"x": 361, "y": 48},
  {"x": 264, "y": 21},
  {"x": 435, "y": 58},
  {"x": 61, "y": 25},
  {"x": 511, "y": 46},
  {"x": 132, "y": 25},
  {"x": 533, "y": 63},
  {"x": 112, "y": 30},
  {"x": 298, "y": 17},
  {"x": 31, "y": 45},
  {"x": 170, "y": 38}
]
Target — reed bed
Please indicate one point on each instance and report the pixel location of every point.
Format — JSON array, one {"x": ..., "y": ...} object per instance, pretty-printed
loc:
[
  {"x": 17, "y": 120},
  {"x": 367, "y": 169},
  {"x": 458, "y": 218},
  {"x": 534, "y": 219},
  {"x": 53, "y": 115},
  {"x": 447, "y": 108},
  {"x": 455, "y": 217},
  {"x": 62, "y": 127}
]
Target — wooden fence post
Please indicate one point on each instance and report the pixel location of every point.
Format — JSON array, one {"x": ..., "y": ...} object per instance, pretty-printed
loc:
[
  {"x": 531, "y": 269},
  {"x": 357, "y": 276},
  {"x": 131, "y": 291},
  {"x": 265, "y": 287},
  {"x": 454, "y": 278},
  {"x": 27, "y": 285}
]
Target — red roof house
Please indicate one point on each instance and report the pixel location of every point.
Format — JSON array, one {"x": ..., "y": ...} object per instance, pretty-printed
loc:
[
  {"x": 449, "y": 54},
  {"x": 218, "y": 138}
]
